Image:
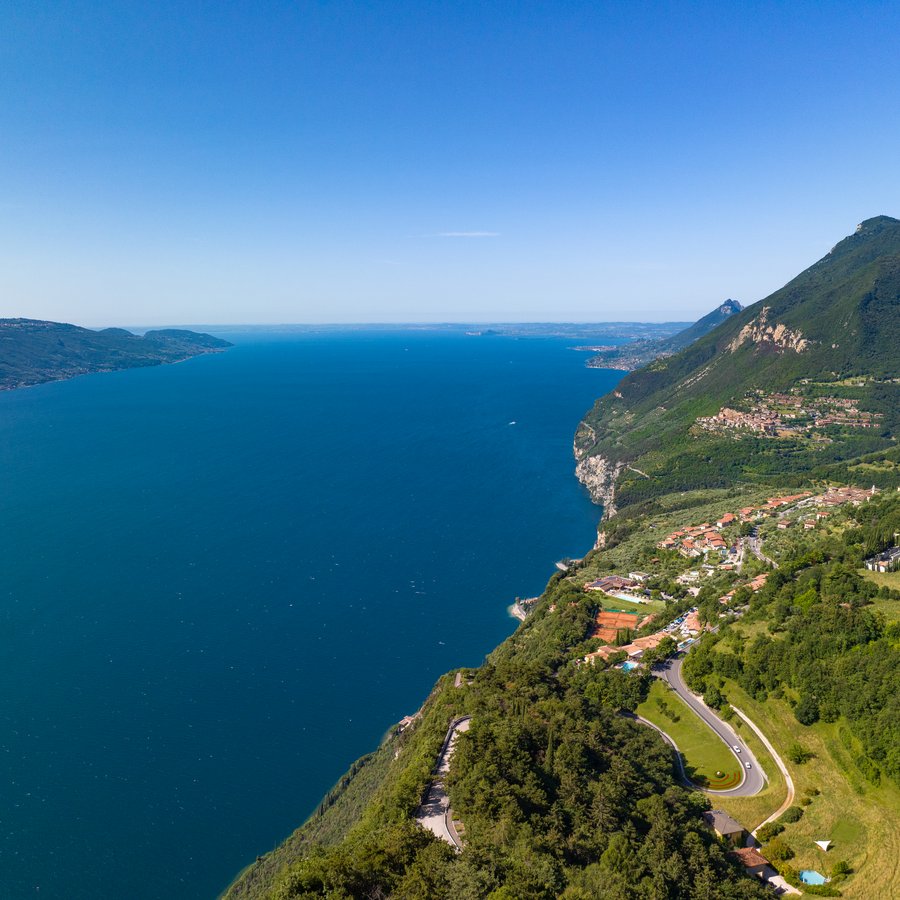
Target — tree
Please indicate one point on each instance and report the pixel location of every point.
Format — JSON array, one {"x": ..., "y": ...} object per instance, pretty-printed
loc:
[
  {"x": 777, "y": 850},
  {"x": 806, "y": 712},
  {"x": 799, "y": 754},
  {"x": 713, "y": 697}
]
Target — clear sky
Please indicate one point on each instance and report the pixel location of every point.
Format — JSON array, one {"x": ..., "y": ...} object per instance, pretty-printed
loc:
[{"x": 348, "y": 162}]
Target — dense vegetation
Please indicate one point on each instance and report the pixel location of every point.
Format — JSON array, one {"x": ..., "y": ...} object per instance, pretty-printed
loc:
[
  {"x": 826, "y": 648},
  {"x": 33, "y": 351}
]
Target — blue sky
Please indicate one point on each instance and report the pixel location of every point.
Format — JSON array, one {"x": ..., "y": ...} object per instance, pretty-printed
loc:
[{"x": 351, "y": 162}]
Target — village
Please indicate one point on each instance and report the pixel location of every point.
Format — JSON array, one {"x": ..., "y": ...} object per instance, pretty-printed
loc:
[
  {"x": 780, "y": 415},
  {"x": 722, "y": 546}
]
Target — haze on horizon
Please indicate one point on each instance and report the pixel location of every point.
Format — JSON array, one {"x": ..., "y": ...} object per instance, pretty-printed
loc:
[{"x": 423, "y": 162}]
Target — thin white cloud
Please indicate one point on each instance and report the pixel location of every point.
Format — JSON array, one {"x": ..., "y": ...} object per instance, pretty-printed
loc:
[{"x": 468, "y": 234}]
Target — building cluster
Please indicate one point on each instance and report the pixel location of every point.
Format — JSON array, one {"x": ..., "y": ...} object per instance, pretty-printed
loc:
[
  {"x": 629, "y": 589},
  {"x": 786, "y": 415},
  {"x": 811, "y": 509},
  {"x": 888, "y": 561},
  {"x": 840, "y": 495},
  {"x": 698, "y": 540},
  {"x": 754, "y": 586},
  {"x": 610, "y": 627},
  {"x": 771, "y": 506}
]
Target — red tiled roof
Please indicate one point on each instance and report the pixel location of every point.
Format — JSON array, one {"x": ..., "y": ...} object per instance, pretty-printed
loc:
[{"x": 750, "y": 857}]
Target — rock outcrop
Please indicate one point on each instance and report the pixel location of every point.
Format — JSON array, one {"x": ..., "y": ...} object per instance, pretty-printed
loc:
[
  {"x": 761, "y": 331},
  {"x": 599, "y": 476}
]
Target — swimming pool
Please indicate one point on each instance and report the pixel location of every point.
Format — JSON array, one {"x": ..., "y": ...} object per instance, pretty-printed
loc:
[
  {"x": 811, "y": 876},
  {"x": 628, "y": 666}
]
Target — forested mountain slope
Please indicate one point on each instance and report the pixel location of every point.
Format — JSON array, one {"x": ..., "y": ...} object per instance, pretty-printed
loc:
[
  {"x": 767, "y": 392},
  {"x": 558, "y": 792},
  {"x": 33, "y": 351}
]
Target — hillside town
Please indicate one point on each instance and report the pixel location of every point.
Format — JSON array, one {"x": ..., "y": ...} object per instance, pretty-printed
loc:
[
  {"x": 780, "y": 415},
  {"x": 706, "y": 541}
]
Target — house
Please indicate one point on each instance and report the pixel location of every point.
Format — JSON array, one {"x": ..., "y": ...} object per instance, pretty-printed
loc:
[
  {"x": 609, "y": 583},
  {"x": 757, "y": 865},
  {"x": 725, "y": 827},
  {"x": 783, "y": 526},
  {"x": 635, "y": 649},
  {"x": 727, "y": 519},
  {"x": 753, "y": 861},
  {"x": 691, "y": 623},
  {"x": 603, "y": 653},
  {"x": 639, "y": 577}
]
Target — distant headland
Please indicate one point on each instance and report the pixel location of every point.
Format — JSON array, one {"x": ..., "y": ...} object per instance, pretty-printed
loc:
[{"x": 33, "y": 351}]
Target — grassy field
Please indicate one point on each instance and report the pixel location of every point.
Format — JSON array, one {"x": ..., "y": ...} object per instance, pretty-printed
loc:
[
  {"x": 753, "y": 811},
  {"x": 706, "y": 759},
  {"x": 888, "y": 579},
  {"x": 643, "y": 609},
  {"x": 862, "y": 820},
  {"x": 889, "y": 608}
]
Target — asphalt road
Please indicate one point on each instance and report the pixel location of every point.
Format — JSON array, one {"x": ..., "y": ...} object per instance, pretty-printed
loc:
[
  {"x": 755, "y": 546},
  {"x": 434, "y": 813},
  {"x": 753, "y": 782}
]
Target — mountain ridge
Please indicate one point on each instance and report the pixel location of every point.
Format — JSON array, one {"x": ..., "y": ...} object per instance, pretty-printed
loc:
[
  {"x": 35, "y": 351},
  {"x": 639, "y": 352},
  {"x": 836, "y": 320}
]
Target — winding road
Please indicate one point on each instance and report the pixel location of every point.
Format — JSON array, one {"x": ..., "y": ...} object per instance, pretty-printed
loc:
[
  {"x": 434, "y": 813},
  {"x": 753, "y": 780}
]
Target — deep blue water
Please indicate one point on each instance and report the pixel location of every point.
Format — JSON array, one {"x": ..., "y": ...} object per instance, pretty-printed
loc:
[{"x": 221, "y": 581}]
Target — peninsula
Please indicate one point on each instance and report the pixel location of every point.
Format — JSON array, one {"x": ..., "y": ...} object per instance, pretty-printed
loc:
[{"x": 33, "y": 351}]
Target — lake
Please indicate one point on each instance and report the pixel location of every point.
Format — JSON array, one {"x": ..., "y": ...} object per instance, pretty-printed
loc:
[{"x": 224, "y": 580}]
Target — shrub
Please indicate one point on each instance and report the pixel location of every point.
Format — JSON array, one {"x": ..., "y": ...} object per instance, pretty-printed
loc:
[
  {"x": 767, "y": 832},
  {"x": 841, "y": 867},
  {"x": 792, "y": 814},
  {"x": 778, "y": 851},
  {"x": 806, "y": 712},
  {"x": 821, "y": 890},
  {"x": 798, "y": 754}
]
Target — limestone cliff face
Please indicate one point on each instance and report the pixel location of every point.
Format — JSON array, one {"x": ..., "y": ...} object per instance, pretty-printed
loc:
[
  {"x": 778, "y": 335},
  {"x": 599, "y": 476}
]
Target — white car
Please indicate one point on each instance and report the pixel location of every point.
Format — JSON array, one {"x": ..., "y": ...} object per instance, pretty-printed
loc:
[
  {"x": 746, "y": 765},
  {"x": 736, "y": 748}
]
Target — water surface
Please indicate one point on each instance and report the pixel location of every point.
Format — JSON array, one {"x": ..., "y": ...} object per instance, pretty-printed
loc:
[{"x": 221, "y": 581}]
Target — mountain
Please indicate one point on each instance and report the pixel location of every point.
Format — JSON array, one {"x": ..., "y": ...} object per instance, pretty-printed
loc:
[
  {"x": 638, "y": 353},
  {"x": 537, "y": 766},
  {"x": 803, "y": 383},
  {"x": 702, "y": 326},
  {"x": 34, "y": 351}
]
